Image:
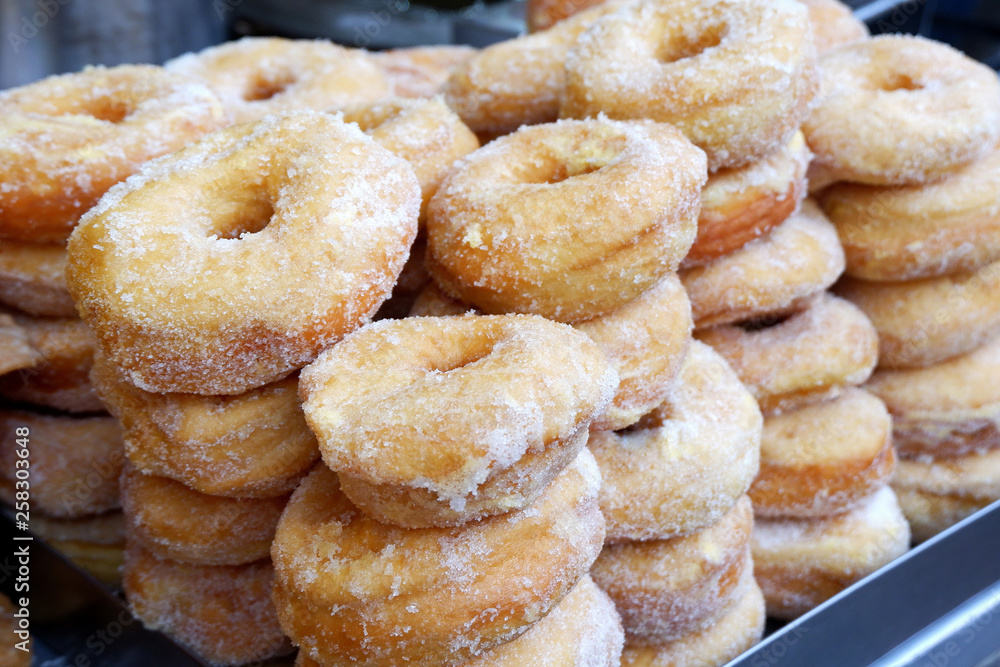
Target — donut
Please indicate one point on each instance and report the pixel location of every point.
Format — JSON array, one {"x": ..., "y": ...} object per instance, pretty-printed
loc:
[
  {"x": 801, "y": 563},
  {"x": 737, "y": 77},
  {"x": 254, "y": 445},
  {"x": 567, "y": 220},
  {"x": 668, "y": 589},
  {"x": 735, "y": 632},
  {"x": 272, "y": 266},
  {"x": 16, "y": 351},
  {"x": 924, "y": 322},
  {"x": 223, "y": 613},
  {"x": 60, "y": 378},
  {"x": 10, "y": 654},
  {"x": 258, "y": 76},
  {"x": 937, "y": 493},
  {"x": 421, "y": 71},
  {"x": 919, "y": 231},
  {"x": 439, "y": 421},
  {"x": 645, "y": 340},
  {"x": 810, "y": 355},
  {"x": 427, "y": 596},
  {"x": 768, "y": 276},
  {"x": 543, "y": 14},
  {"x": 833, "y": 24},
  {"x": 32, "y": 279},
  {"x": 950, "y": 409},
  {"x": 94, "y": 543},
  {"x": 824, "y": 458},
  {"x": 175, "y": 522},
  {"x": 900, "y": 110},
  {"x": 740, "y": 204},
  {"x": 69, "y": 138},
  {"x": 684, "y": 465},
  {"x": 75, "y": 462}
]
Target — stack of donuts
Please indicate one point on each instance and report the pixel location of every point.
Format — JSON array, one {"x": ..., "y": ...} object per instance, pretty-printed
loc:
[{"x": 908, "y": 168}]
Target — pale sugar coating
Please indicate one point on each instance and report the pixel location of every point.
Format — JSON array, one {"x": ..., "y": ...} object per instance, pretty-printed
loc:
[
  {"x": 437, "y": 421},
  {"x": 568, "y": 220},
  {"x": 421, "y": 71},
  {"x": 33, "y": 279},
  {"x": 685, "y": 464},
  {"x": 833, "y": 24},
  {"x": 351, "y": 589},
  {"x": 738, "y": 77},
  {"x": 233, "y": 262},
  {"x": 770, "y": 276},
  {"x": 69, "y": 138},
  {"x": 16, "y": 352},
  {"x": 898, "y": 110},
  {"x": 258, "y": 76}
]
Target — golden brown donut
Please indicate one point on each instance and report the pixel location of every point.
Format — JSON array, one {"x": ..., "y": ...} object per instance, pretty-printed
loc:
[
  {"x": 685, "y": 464},
  {"x": 173, "y": 521},
  {"x": 254, "y": 445},
  {"x": 898, "y": 110},
  {"x": 833, "y": 24},
  {"x": 428, "y": 596},
  {"x": 824, "y": 458},
  {"x": 739, "y": 629},
  {"x": 69, "y": 138},
  {"x": 258, "y": 76},
  {"x": 924, "y": 322},
  {"x": 809, "y": 356},
  {"x": 10, "y": 653},
  {"x": 75, "y": 462},
  {"x": 223, "y": 613},
  {"x": 246, "y": 205},
  {"x": 919, "y": 231},
  {"x": 16, "y": 352},
  {"x": 95, "y": 543},
  {"x": 801, "y": 563},
  {"x": 568, "y": 220},
  {"x": 769, "y": 276},
  {"x": 949, "y": 409},
  {"x": 737, "y": 77},
  {"x": 439, "y": 421},
  {"x": 668, "y": 589},
  {"x": 543, "y": 14},
  {"x": 741, "y": 203},
  {"x": 421, "y": 71},
  {"x": 32, "y": 279}
]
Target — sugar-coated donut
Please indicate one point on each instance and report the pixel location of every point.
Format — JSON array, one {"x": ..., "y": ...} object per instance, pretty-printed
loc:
[
  {"x": 75, "y": 462},
  {"x": 10, "y": 654},
  {"x": 739, "y": 629},
  {"x": 685, "y": 464},
  {"x": 16, "y": 351},
  {"x": 898, "y": 110},
  {"x": 258, "y": 76},
  {"x": 32, "y": 279},
  {"x": 769, "y": 276},
  {"x": 223, "y": 613},
  {"x": 801, "y": 563},
  {"x": 824, "y": 458},
  {"x": 919, "y": 231},
  {"x": 95, "y": 543},
  {"x": 254, "y": 445},
  {"x": 924, "y": 322},
  {"x": 421, "y": 71},
  {"x": 173, "y": 521},
  {"x": 949, "y": 409},
  {"x": 741, "y": 203},
  {"x": 810, "y": 355},
  {"x": 736, "y": 76},
  {"x": 438, "y": 421},
  {"x": 430, "y": 596},
  {"x": 568, "y": 220},
  {"x": 543, "y": 14},
  {"x": 667, "y": 589},
  {"x": 833, "y": 24},
  {"x": 285, "y": 234},
  {"x": 69, "y": 138}
]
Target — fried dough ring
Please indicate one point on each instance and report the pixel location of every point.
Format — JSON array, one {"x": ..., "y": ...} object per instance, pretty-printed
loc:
[
  {"x": 810, "y": 356},
  {"x": 547, "y": 220},
  {"x": 833, "y": 24},
  {"x": 439, "y": 421},
  {"x": 737, "y": 77},
  {"x": 69, "y": 138},
  {"x": 769, "y": 276},
  {"x": 927, "y": 110},
  {"x": 16, "y": 351},
  {"x": 428, "y": 596},
  {"x": 94, "y": 543},
  {"x": 543, "y": 14},
  {"x": 667, "y": 589},
  {"x": 684, "y": 465},
  {"x": 927, "y": 321},
  {"x": 422, "y": 71},
  {"x": 33, "y": 280},
  {"x": 824, "y": 458},
  {"x": 272, "y": 268}
]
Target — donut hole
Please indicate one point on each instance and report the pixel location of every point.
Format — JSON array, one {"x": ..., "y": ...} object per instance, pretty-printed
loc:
[
  {"x": 266, "y": 85},
  {"x": 898, "y": 81},
  {"x": 651, "y": 420},
  {"x": 765, "y": 322},
  {"x": 682, "y": 46},
  {"x": 243, "y": 218},
  {"x": 565, "y": 171}
]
